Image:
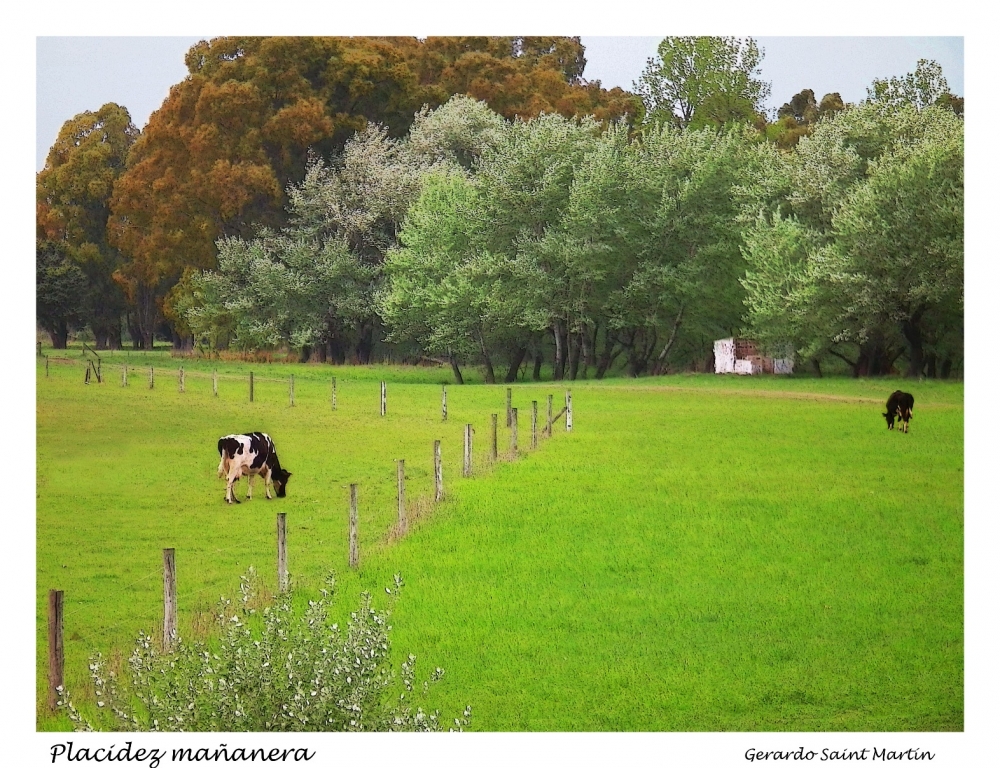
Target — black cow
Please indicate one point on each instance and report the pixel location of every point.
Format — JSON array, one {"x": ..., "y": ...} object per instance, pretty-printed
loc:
[
  {"x": 899, "y": 406},
  {"x": 251, "y": 455}
]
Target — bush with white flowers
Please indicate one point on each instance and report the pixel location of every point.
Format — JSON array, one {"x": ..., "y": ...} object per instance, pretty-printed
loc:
[{"x": 270, "y": 670}]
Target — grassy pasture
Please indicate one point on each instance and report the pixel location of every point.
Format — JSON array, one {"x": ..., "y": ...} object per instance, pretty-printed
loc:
[{"x": 700, "y": 553}]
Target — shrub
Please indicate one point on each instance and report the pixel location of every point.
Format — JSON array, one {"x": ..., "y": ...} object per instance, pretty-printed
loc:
[{"x": 271, "y": 670}]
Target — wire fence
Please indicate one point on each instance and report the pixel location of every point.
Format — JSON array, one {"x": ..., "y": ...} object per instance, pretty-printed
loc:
[{"x": 406, "y": 512}]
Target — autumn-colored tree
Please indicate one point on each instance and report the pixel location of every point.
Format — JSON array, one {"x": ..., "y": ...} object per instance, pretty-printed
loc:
[
  {"x": 215, "y": 159},
  {"x": 798, "y": 116},
  {"x": 73, "y": 194}
]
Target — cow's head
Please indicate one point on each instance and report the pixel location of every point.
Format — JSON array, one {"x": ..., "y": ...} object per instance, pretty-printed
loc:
[
  {"x": 890, "y": 418},
  {"x": 280, "y": 479}
]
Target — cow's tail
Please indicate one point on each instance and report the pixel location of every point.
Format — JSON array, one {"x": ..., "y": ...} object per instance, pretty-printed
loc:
[{"x": 223, "y": 459}]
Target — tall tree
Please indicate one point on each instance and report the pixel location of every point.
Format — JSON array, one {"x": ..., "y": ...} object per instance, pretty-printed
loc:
[
  {"x": 215, "y": 159},
  {"x": 60, "y": 288},
  {"x": 73, "y": 197},
  {"x": 856, "y": 250},
  {"x": 719, "y": 75}
]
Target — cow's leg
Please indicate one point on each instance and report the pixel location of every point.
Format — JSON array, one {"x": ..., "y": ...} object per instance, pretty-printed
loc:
[
  {"x": 268, "y": 484},
  {"x": 230, "y": 487},
  {"x": 249, "y": 486}
]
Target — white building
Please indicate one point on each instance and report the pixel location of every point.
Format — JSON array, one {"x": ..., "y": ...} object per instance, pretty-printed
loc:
[{"x": 741, "y": 356}]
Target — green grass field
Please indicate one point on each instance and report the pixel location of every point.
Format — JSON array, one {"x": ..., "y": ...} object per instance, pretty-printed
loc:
[{"x": 700, "y": 553}]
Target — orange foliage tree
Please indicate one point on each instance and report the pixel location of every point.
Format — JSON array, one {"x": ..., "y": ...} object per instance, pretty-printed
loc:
[{"x": 214, "y": 161}]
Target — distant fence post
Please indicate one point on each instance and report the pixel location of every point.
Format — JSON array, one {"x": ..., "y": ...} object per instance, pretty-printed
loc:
[
  {"x": 124, "y": 375},
  {"x": 282, "y": 555},
  {"x": 180, "y": 379},
  {"x": 513, "y": 432},
  {"x": 150, "y": 377},
  {"x": 169, "y": 600},
  {"x": 215, "y": 383},
  {"x": 467, "y": 452},
  {"x": 548, "y": 419},
  {"x": 493, "y": 440},
  {"x": 401, "y": 497},
  {"x": 86, "y": 375},
  {"x": 46, "y": 366},
  {"x": 438, "y": 472},
  {"x": 382, "y": 406},
  {"x": 99, "y": 379},
  {"x": 56, "y": 655},
  {"x": 291, "y": 391},
  {"x": 569, "y": 411},
  {"x": 444, "y": 403},
  {"x": 534, "y": 424},
  {"x": 352, "y": 536},
  {"x": 39, "y": 348},
  {"x": 251, "y": 386},
  {"x": 508, "y": 407},
  {"x": 333, "y": 395}
]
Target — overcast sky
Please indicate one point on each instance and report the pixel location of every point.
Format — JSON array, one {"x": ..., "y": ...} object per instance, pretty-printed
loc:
[{"x": 75, "y": 74}]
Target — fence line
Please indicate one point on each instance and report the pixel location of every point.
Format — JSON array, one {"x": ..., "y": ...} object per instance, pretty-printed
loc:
[{"x": 170, "y": 633}]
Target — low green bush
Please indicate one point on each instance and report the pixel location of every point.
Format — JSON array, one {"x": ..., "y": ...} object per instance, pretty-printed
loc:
[{"x": 271, "y": 670}]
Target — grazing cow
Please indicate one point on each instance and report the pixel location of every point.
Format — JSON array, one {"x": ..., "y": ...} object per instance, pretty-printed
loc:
[
  {"x": 899, "y": 406},
  {"x": 251, "y": 455}
]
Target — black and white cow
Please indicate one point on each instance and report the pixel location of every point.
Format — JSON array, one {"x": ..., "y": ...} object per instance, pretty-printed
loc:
[
  {"x": 251, "y": 455},
  {"x": 899, "y": 406}
]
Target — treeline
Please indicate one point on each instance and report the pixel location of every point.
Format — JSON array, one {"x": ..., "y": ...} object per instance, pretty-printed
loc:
[{"x": 596, "y": 230}]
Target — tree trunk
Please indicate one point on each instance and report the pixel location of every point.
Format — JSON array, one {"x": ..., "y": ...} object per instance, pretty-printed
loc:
[
  {"x": 536, "y": 372},
  {"x": 608, "y": 355},
  {"x": 305, "y": 353},
  {"x": 913, "y": 335},
  {"x": 574, "y": 355},
  {"x": 515, "y": 365},
  {"x": 946, "y": 368},
  {"x": 59, "y": 334},
  {"x": 931, "y": 363},
  {"x": 456, "y": 371},
  {"x": 560, "y": 361},
  {"x": 487, "y": 362},
  {"x": 363, "y": 349},
  {"x": 816, "y": 369},
  {"x": 146, "y": 315},
  {"x": 660, "y": 365}
]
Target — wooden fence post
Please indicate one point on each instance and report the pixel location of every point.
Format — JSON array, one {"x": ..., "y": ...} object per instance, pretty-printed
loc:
[
  {"x": 251, "y": 386},
  {"x": 291, "y": 391},
  {"x": 100, "y": 380},
  {"x": 444, "y": 403},
  {"x": 56, "y": 655},
  {"x": 569, "y": 411},
  {"x": 513, "y": 432},
  {"x": 39, "y": 348},
  {"x": 467, "y": 453},
  {"x": 46, "y": 366},
  {"x": 508, "y": 407},
  {"x": 215, "y": 383},
  {"x": 333, "y": 395},
  {"x": 534, "y": 424},
  {"x": 382, "y": 407},
  {"x": 86, "y": 375},
  {"x": 401, "y": 497},
  {"x": 438, "y": 472},
  {"x": 180, "y": 380},
  {"x": 548, "y": 419},
  {"x": 352, "y": 536},
  {"x": 150, "y": 377},
  {"x": 493, "y": 441},
  {"x": 169, "y": 600},
  {"x": 282, "y": 555},
  {"x": 124, "y": 375}
]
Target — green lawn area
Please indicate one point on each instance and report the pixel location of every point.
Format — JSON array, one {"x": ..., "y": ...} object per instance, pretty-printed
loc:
[{"x": 700, "y": 553}]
